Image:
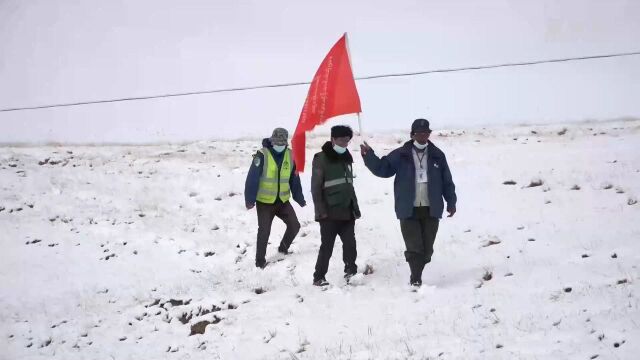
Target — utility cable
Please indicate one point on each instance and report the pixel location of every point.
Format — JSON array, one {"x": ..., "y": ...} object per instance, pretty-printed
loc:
[{"x": 469, "y": 68}]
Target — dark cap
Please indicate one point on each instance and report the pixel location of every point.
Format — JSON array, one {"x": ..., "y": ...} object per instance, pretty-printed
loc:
[
  {"x": 279, "y": 136},
  {"x": 340, "y": 131},
  {"x": 420, "y": 125}
]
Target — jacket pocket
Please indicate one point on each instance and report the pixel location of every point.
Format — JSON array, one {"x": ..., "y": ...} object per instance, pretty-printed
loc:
[
  {"x": 436, "y": 169},
  {"x": 334, "y": 197}
]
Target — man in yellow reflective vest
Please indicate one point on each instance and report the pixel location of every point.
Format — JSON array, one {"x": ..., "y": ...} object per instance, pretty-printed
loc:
[{"x": 271, "y": 182}]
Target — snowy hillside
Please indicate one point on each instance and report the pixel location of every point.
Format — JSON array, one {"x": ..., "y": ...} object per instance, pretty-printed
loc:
[{"x": 147, "y": 252}]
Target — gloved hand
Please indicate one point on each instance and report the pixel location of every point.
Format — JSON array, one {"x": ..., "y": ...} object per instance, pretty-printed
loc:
[{"x": 250, "y": 205}]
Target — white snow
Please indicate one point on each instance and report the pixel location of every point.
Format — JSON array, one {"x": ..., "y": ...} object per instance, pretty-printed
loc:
[{"x": 99, "y": 240}]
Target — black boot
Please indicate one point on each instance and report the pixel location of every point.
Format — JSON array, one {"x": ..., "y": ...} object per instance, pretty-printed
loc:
[
  {"x": 416, "y": 268},
  {"x": 320, "y": 282},
  {"x": 283, "y": 250}
]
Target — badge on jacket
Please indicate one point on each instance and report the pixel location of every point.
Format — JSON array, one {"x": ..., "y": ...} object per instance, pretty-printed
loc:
[{"x": 256, "y": 160}]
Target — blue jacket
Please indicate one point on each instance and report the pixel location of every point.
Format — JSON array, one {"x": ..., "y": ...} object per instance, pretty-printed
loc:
[
  {"x": 400, "y": 163},
  {"x": 255, "y": 171}
]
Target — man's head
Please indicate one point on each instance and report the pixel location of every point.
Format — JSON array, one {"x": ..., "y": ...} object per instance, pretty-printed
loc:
[
  {"x": 341, "y": 135},
  {"x": 420, "y": 131},
  {"x": 279, "y": 137}
]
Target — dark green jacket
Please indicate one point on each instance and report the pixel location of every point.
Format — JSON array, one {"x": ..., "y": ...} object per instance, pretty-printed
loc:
[{"x": 332, "y": 185}]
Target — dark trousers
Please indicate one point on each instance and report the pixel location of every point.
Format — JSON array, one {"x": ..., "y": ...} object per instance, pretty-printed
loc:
[
  {"x": 266, "y": 213},
  {"x": 419, "y": 233},
  {"x": 329, "y": 229}
]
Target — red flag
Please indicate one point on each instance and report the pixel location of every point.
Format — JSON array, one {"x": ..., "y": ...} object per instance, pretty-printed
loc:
[{"x": 332, "y": 92}]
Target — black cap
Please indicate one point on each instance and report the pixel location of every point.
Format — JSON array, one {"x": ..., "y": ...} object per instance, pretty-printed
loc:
[
  {"x": 420, "y": 125},
  {"x": 340, "y": 131}
]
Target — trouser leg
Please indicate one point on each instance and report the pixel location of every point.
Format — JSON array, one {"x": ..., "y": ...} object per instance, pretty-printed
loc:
[
  {"x": 429, "y": 228},
  {"x": 288, "y": 216},
  {"x": 349, "y": 252},
  {"x": 411, "y": 229},
  {"x": 266, "y": 213},
  {"x": 412, "y": 234},
  {"x": 328, "y": 233}
]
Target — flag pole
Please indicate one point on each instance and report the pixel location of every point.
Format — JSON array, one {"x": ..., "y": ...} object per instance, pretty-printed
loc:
[{"x": 346, "y": 38}]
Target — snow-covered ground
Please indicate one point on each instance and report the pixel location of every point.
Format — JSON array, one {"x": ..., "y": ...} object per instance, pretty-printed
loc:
[{"x": 127, "y": 252}]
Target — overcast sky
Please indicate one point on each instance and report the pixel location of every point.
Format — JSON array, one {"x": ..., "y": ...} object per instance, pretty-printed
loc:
[{"x": 68, "y": 51}]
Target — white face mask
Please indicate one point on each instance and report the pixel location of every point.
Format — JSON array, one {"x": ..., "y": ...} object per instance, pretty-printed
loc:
[
  {"x": 339, "y": 149},
  {"x": 279, "y": 148},
  {"x": 420, "y": 146}
]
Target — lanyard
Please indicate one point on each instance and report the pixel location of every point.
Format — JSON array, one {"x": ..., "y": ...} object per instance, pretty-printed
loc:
[{"x": 420, "y": 157}]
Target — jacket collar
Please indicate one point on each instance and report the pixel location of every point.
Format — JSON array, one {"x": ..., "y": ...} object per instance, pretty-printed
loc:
[
  {"x": 407, "y": 148},
  {"x": 266, "y": 143}
]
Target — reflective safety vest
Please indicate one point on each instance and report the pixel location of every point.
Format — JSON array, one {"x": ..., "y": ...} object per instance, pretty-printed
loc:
[
  {"x": 274, "y": 183},
  {"x": 338, "y": 188}
]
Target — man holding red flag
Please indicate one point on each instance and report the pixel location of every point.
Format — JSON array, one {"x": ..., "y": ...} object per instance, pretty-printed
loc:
[
  {"x": 332, "y": 92},
  {"x": 335, "y": 201}
]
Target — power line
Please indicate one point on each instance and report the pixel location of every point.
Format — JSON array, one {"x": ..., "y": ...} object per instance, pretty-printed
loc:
[
  {"x": 483, "y": 67},
  {"x": 469, "y": 68}
]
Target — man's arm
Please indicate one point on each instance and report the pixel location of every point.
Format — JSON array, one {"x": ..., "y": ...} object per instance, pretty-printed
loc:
[
  {"x": 449, "y": 189},
  {"x": 317, "y": 185},
  {"x": 381, "y": 167},
  {"x": 296, "y": 187},
  {"x": 253, "y": 180}
]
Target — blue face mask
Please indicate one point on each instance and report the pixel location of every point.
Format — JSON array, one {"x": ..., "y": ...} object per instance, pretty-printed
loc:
[
  {"x": 279, "y": 148},
  {"x": 339, "y": 149}
]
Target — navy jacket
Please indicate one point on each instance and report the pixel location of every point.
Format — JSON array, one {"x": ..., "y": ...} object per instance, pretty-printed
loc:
[
  {"x": 255, "y": 171},
  {"x": 400, "y": 163}
]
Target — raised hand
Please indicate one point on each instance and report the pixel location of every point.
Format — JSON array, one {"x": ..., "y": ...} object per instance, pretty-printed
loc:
[{"x": 364, "y": 148}]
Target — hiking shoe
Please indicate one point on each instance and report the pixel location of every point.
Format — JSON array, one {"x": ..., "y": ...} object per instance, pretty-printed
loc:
[
  {"x": 283, "y": 251},
  {"x": 320, "y": 282},
  {"x": 261, "y": 264},
  {"x": 416, "y": 283},
  {"x": 349, "y": 275}
]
